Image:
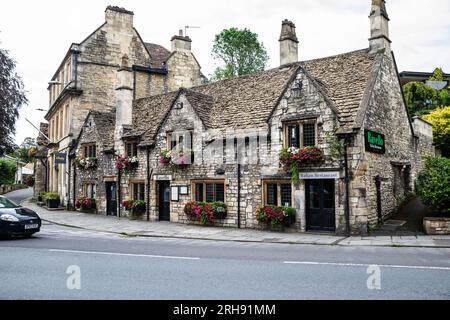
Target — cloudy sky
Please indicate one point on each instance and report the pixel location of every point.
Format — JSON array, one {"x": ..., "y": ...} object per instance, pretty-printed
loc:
[{"x": 39, "y": 33}]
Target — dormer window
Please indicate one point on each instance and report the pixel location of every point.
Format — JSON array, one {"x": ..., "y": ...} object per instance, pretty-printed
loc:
[
  {"x": 131, "y": 149},
  {"x": 300, "y": 134},
  {"x": 90, "y": 150}
]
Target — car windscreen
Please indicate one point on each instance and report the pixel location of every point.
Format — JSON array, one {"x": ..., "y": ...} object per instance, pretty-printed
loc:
[{"x": 6, "y": 203}]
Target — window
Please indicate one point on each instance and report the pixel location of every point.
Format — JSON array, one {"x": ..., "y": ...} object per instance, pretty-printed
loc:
[
  {"x": 90, "y": 150},
  {"x": 182, "y": 142},
  {"x": 300, "y": 134},
  {"x": 209, "y": 191},
  {"x": 278, "y": 193},
  {"x": 138, "y": 190},
  {"x": 89, "y": 190},
  {"x": 131, "y": 149}
]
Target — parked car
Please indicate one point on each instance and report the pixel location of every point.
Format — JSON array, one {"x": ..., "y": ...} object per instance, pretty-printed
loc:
[{"x": 16, "y": 220}]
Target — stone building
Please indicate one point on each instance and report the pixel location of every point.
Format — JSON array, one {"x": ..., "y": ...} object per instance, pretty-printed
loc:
[
  {"x": 105, "y": 72},
  {"x": 229, "y": 135},
  {"x": 41, "y": 164}
]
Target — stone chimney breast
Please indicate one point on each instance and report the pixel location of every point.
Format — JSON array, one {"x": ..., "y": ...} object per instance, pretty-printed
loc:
[
  {"x": 181, "y": 42},
  {"x": 288, "y": 43},
  {"x": 119, "y": 17}
]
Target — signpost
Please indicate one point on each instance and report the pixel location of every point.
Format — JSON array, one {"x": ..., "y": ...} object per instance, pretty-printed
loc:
[
  {"x": 374, "y": 141},
  {"x": 60, "y": 158}
]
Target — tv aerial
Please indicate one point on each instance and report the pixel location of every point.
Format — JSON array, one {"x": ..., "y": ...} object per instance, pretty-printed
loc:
[{"x": 189, "y": 27}]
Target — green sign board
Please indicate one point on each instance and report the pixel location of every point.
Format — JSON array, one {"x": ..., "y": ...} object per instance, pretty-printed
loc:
[
  {"x": 375, "y": 142},
  {"x": 60, "y": 158}
]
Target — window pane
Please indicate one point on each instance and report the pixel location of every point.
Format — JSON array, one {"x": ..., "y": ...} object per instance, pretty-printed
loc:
[
  {"x": 293, "y": 136},
  {"x": 271, "y": 195},
  {"x": 210, "y": 192},
  {"x": 134, "y": 149},
  {"x": 286, "y": 194},
  {"x": 129, "y": 149},
  {"x": 309, "y": 134},
  {"x": 141, "y": 195},
  {"x": 199, "y": 192},
  {"x": 220, "y": 192}
]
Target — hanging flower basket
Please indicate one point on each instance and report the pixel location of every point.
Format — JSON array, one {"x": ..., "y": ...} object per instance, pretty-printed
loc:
[
  {"x": 126, "y": 164},
  {"x": 293, "y": 158},
  {"x": 86, "y": 163},
  {"x": 176, "y": 160}
]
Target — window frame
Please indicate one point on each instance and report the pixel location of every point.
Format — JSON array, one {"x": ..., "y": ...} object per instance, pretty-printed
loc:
[
  {"x": 278, "y": 182},
  {"x": 86, "y": 150},
  {"x": 132, "y": 187},
  {"x": 134, "y": 148},
  {"x": 300, "y": 124},
  {"x": 204, "y": 183},
  {"x": 89, "y": 190}
]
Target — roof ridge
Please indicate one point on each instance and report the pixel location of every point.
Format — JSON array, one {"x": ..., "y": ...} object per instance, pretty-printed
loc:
[{"x": 334, "y": 56}]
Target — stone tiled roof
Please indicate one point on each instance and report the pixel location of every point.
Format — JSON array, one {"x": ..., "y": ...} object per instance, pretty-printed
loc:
[
  {"x": 105, "y": 123},
  {"x": 158, "y": 54},
  {"x": 343, "y": 78},
  {"x": 148, "y": 114},
  {"x": 247, "y": 102}
]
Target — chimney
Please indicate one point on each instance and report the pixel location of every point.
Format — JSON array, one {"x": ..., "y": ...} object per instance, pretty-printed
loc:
[
  {"x": 181, "y": 43},
  {"x": 288, "y": 43},
  {"x": 379, "y": 27},
  {"x": 119, "y": 17}
]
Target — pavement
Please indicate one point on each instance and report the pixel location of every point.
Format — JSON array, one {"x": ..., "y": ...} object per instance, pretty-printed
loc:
[{"x": 134, "y": 228}]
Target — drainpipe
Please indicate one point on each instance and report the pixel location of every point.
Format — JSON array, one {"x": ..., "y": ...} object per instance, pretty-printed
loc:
[
  {"x": 68, "y": 182},
  {"x": 239, "y": 195},
  {"x": 119, "y": 193},
  {"x": 149, "y": 180},
  {"x": 379, "y": 209},
  {"x": 74, "y": 183},
  {"x": 347, "y": 187}
]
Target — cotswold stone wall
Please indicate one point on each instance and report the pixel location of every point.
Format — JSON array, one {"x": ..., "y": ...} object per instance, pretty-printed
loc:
[
  {"x": 184, "y": 71},
  {"x": 92, "y": 175},
  {"x": 385, "y": 114},
  {"x": 308, "y": 103}
]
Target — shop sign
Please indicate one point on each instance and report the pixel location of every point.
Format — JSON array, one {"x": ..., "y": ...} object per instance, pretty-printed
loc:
[
  {"x": 374, "y": 142},
  {"x": 60, "y": 158},
  {"x": 163, "y": 178},
  {"x": 320, "y": 175}
]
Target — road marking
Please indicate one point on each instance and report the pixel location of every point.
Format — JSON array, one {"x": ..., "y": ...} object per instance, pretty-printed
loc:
[
  {"x": 364, "y": 265},
  {"x": 125, "y": 254}
]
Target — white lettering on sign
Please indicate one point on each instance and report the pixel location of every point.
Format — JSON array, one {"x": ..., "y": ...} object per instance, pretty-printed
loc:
[
  {"x": 320, "y": 175},
  {"x": 163, "y": 178}
]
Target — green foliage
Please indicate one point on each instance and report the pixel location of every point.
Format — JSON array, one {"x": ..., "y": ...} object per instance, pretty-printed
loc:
[
  {"x": 434, "y": 185},
  {"x": 50, "y": 196},
  {"x": 335, "y": 145},
  {"x": 7, "y": 172},
  {"x": 438, "y": 75},
  {"x": 440, "y": 119},
  {"x": 240, "y": 52},
  {"x": 422, "y": 99},
  {"x": 12, "y": 97}
]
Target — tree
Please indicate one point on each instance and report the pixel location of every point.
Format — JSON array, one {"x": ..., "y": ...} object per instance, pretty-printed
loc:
[
  {"x": 433, "y": 185},
  {"x": 7, "y": 172},
  {"x": 23, "y": 152},
  {"x": 422, "y": 99},
  {"x": 12, "y": 97},
  {"x": 440, "y": 119},
  {"x": 240, "y": 52}
]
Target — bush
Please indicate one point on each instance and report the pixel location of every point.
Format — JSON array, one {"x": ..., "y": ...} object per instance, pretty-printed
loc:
[
  {"x": 50, "y": 196},
  {"x": 433, "y": 185},
  {"x": 7, "y": 172}
]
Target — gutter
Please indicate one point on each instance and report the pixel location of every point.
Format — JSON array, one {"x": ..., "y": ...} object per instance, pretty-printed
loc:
[{"x": 150, "y": 70}]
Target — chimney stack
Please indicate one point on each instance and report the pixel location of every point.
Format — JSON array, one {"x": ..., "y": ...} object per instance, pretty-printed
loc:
[
  {"x": 181, "y": 42},
  {"x": 119, "y": 17},
  {"x": 379, "y": 27},
  {"x": 288, "y": 43}
]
